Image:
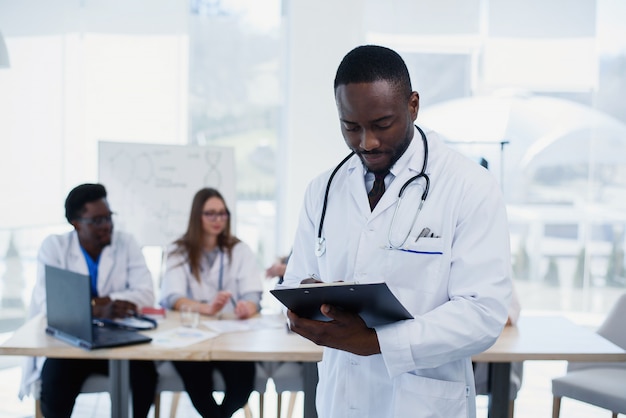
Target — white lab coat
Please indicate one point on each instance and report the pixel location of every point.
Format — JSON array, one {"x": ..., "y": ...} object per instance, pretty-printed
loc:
[
  {"x": 122, "y": 274},
  {"x": 481, "y": 369},
  {"x": 241, "y": 277},
  {"x": 457, "y": 285}
]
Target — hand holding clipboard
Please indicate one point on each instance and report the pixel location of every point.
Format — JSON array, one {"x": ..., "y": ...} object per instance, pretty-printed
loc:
[{"x": 373, "y": 302}]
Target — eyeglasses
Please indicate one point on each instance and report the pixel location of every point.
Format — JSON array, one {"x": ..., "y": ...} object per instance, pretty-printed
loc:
[
  {"x": 98, "y": 220},
  {"x": 215, "y": 216}
]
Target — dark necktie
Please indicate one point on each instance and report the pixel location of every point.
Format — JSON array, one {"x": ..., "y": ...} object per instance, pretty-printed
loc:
[{"x": 378, "y": 189}]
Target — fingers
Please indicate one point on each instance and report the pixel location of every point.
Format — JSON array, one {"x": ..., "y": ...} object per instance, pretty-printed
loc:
[
  {"x": 219, "y": 302},
  {"x": 276, "y": 270},
  {"x": 223, "y": 295},
  {"x": 339, "y": 315},
  {"x": 123, "y": 308},
  {"x": 345, "y": 331},
  {"x": 245, "y": 309},
  {"x": 310, "y": 280}
]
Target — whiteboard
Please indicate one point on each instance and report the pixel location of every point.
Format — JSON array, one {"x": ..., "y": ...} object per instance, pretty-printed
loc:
[{"x": 150, "y": 187}]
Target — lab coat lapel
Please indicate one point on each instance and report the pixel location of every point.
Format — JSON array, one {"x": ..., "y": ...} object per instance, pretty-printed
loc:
[
  {"x": 75, "y": 257},
  {"x": 356, "y": 186},
  {"x": 407, "y": 170},
  {"x": 386, "y": 201},
  {"x": 105, "y": 267}
]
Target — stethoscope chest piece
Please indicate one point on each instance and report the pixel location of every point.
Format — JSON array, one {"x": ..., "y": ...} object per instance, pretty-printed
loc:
[{"x": 320, "y": 247}]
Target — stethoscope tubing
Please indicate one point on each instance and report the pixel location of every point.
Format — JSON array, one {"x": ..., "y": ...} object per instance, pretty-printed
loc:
[{"x": 320, "y": 240}]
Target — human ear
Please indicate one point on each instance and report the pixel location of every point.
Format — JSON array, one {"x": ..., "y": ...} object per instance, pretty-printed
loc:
[{"x": 414, "y": 104}]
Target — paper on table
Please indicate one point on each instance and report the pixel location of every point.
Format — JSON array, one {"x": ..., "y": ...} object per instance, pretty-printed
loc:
[
  {"x": 181, "y": 337},
  {"x": 238, "y": 325}
]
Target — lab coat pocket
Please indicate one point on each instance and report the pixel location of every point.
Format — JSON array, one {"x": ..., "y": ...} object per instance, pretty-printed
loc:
[
  {"x": 424, "y": 245},
  {"x": 419, "y": 396},
  {"x": 418, "y": 261}
]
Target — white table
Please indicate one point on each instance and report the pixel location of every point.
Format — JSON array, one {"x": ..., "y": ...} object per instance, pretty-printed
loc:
[
  {"x": 534, "y": 338},
  {"x": 272, "y": 344},
  {"x": 541, "y": 338}
]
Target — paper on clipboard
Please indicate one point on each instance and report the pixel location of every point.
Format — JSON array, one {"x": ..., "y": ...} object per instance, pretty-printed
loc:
[{"x": 374, "y": 302}]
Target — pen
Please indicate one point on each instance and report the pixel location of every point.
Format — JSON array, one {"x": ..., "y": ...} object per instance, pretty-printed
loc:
[
  {"x": 233, "y": 301},
  {"x": 424, "y": 233}
]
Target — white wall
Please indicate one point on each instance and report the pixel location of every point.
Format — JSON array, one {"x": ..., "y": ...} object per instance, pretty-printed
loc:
[
  {"x": 81, "y": 72},
  {"x": 312, "y": 141}
]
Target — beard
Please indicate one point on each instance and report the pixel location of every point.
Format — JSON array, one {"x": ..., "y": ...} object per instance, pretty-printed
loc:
[{"x": 394, "y": 154}]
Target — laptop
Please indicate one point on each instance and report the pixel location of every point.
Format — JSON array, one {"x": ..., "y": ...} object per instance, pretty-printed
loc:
[{"x": 70, "y": 319}]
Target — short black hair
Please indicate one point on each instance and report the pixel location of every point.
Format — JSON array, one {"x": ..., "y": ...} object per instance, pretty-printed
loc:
[
  {"x": 370, "y": 63},
  {"x": 76, "y": 199}
]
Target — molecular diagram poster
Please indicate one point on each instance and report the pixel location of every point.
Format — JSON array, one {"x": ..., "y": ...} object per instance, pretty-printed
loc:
[{"x": 150, "y": 187}]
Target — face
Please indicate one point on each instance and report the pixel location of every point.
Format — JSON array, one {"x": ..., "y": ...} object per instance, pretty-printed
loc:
[
  {"x": 214, "y": 216},
  {"x": 95, "y": 226},
  {"x": 376, "y": 121}
]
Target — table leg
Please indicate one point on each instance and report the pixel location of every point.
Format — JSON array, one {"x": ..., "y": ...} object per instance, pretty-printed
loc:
[
  {"x": 310, "y": 388},
  {"x": 499, "y": 388},
  {"x": 120, "y": 387}
]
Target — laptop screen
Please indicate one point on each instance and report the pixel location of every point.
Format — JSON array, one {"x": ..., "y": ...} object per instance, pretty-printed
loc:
[{"x": 68, "y": 297}]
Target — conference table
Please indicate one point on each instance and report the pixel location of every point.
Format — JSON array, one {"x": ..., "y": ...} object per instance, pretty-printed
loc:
[
  {"x": 540, "y": 338},
  {"x": 533, "y": 338},
  {"x": 270, "y": 343}
]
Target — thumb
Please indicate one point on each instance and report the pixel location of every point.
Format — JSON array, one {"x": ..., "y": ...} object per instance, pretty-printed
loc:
[{"x": 332, "y": 312}]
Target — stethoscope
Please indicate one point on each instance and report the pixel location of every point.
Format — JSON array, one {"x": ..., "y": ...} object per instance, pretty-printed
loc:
[
  {"x": 220, "y": 280},
  {"x": 320, "y": 247}
]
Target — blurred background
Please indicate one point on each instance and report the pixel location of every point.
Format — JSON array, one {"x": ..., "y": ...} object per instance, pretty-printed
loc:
[{"x": 534, "y": 90}]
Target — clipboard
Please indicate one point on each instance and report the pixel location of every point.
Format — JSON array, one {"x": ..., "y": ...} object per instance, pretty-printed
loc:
[{"x": 374, "y": 302}]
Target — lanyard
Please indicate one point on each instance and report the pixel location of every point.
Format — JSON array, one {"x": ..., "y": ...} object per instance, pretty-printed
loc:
[{"x": 220, "y": 283}]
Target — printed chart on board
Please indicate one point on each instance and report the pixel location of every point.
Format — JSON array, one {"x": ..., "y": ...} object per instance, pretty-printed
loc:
[{"x": 150, "y": 186}]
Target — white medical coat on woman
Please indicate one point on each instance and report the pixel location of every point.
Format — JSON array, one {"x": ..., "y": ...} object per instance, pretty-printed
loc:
[
  {"x": 241, "y": 276},
  {"x": 457, "y": 284},
  {"x": 122, "y": 274}
]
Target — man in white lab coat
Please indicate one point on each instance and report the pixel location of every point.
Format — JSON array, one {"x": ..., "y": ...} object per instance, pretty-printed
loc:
[
  {"x": 121, "y": 285},
  {"x": 448, "y": 262}
]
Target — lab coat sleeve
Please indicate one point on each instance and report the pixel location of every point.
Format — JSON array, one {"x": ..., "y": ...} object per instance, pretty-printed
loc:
[
  {"x": 174, "y": 284},
  {"x": 303, "y": 261},
  {"x": 50, "y": 253},
  {"x": 246, "y": 273},
  {"x": 478, "y": 292},
  {"x": 135, "y": 283},
  {"x": 515, "y": 308}
]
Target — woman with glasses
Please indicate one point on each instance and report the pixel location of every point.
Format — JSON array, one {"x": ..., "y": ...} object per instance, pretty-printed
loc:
[{"x": 213, "y": 272}]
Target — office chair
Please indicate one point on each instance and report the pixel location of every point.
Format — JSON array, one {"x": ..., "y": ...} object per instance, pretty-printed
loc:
[
  {"x": 95, "y": 383},
  {"x": 287, "y": 377},
  {"x": 169, "y": 381},
  {"x": 599, "y": 384},
  {"x": 481, "y": 376}
]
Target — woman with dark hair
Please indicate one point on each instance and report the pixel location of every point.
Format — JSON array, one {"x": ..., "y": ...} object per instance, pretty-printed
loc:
[{"x": 213, "y": 272}]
